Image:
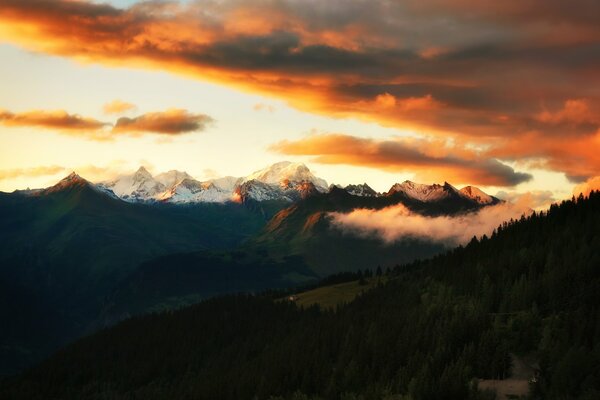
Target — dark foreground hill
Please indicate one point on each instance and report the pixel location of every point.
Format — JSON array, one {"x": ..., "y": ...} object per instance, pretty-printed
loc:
[
  {"x": 63, "y": 249},
  {"x": 429, "y": 332}
]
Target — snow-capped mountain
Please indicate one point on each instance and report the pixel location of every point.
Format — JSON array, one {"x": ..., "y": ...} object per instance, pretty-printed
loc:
[
  {"x": 286, "y": 171},
  {"x": 287, "y": 191},
  {"x": 478, "y": 195},
  {"x": 141, "y": 186},
  {"x": 226, "y": 183},
  {"x": 190, "y": 190},
  {"x": 283, "y": 181},
  {"x": 425, "y": 193},
  {"x": 172, "y": 178},
  {"x": 363, "y": 190},
  {"x": 436, "y": 192}
]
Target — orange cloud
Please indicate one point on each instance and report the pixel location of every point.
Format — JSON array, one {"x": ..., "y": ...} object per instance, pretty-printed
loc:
[
  {"x": 587, "y": 186},
  {"x": 432, "y": 160},
  {"x": 59, "y": 119},
  {"x": 118, "y": 107},
  {"x": 536, "y": 199},
  {"x": 385, "y": 100},
  {"x": 472, "y": 71},
  {"x": 171, "y": 122},
  {"x": 262, "y": 106},
  {"x": 578, "y": 157},
  {"x": 30, "y": 172},
  {"x": 574, "y": 111}
]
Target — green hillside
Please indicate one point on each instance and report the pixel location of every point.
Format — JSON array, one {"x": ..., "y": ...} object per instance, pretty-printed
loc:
[
  {"x": 530, "y": 291},
  {"x": 332, "y": 296},
  {"x": 304, "y": 230},
  {"x": 62, "y": 252}
]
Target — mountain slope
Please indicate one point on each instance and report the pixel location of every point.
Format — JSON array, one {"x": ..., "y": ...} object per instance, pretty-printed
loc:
[
  {"x": 304, "y": 229},
  {"x": 530, "y": 289},
  {"x": 69, "y": 245}
]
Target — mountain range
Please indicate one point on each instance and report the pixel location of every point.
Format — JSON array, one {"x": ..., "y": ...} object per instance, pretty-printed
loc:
[
  {"x": 282, "y": 181},
  {"x": 79, "y": 255}
]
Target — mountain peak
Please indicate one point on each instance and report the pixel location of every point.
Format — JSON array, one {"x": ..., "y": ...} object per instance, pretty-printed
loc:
[
  {"x": 72, "y": 177},
  {"x": 286, "y": 171},
  {"x": 476, "y": 194},
  {"x": 70, "y": 181},
  {"x": 139, "y": 186},
  {"x": 363, "y": 190},
  {"x": 172, "y": 177},
  {"x": 142, "y": 173},
  {"x": 423, "y": 192},
  {"x": 449, "y": 187}
]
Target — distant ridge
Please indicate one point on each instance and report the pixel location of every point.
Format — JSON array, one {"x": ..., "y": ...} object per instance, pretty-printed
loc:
[{"x": 284, "y": 182}]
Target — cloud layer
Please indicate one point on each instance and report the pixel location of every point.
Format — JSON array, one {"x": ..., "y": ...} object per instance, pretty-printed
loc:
[
  {"x": 170, "y": 122},
  {"x": 118, "y": 107},
  {"x": 518, "y": 78},
  {"x": 536, "y": 199},
  {"x": 587, "y": 186},
  {"x": 58, "y": 119},
  {"x": 429, "y": 159},
  {"x": 397, "y": 222},
  {"x": 30, "y": 172}
]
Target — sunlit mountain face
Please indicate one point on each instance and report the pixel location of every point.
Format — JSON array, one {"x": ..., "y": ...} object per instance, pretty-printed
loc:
[{"x": 158, "y": 154}]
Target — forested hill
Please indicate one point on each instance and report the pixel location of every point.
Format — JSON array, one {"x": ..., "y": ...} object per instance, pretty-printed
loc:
[{"x": 531, "y": 289}]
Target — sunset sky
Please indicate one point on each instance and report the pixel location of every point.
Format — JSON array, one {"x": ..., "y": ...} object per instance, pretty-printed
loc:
[{"x": 504, "y": 95}]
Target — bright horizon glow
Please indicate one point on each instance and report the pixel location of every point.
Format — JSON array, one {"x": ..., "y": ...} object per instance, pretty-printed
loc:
[
  {"x": 226, "y": 149},
  {"x": 227, "y": 88}
]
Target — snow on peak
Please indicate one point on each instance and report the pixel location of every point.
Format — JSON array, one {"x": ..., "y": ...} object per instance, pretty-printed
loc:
[
  {"x": 476, "y": 194},
  {"x": 363, "y": 190},
  {"x": 142, "y": 174},
  {"x": 435, "y": 192},
  {"x": 422, "y": 192},
  {"x": 288, "y": 191},
  {"x": 172, "y": 178},
  {"x": 227, "y": 183},
  {"x": 140, "y": 186},
  {"x": 190, "y": 190},
  {"x": 286, "y": 171}
]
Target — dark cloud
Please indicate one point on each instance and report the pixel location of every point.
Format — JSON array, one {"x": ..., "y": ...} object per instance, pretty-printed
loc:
[
  {"x": 430, "y": 160},
  {"x": 171, "y": 122}
]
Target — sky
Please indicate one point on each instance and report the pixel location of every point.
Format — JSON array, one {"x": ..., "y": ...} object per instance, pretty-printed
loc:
[{"x": 501, "y": 95}]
